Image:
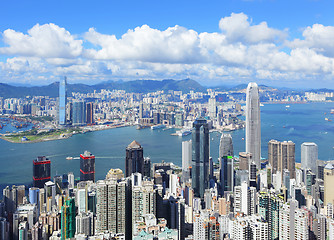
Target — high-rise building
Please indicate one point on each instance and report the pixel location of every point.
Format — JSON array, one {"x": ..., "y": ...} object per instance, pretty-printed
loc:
[
  {"x": 62, "y": 102},
  {"x": 200, "y": 157},
  {"x": 245, "y": 199},
  {"x": 268, "y": 208},
  {"x": 68, "y": 219},
  {"x": 212, "y": 108},
  {"x": 78, "y": 113},
  {"x": 226, "y": 145},
  {"x": 111, "y": 206},
  {"x": 90, "y": 113},
  {"x": 244, "y": 160},
  {"x": 134, "y": 160},
  {"x": 87, "y": 166},
  {"x": 41, "y": 171},
  {"x": 253, "y": 123},
  {"x": 186, "y": 160},
  {"x": 281, "y": 156},
  {"x": 309, "y": 156},
  {"x": 85, "y": 223},
  {"x": 226, "y": 174},
  {"x": 328, "y": 181}
]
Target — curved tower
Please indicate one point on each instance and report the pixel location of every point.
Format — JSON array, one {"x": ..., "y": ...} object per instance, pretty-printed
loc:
[{"x": 253, "y": 123}]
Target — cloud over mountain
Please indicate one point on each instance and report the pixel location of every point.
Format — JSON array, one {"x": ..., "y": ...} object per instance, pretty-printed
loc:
[{"x": 240, "y": 51}]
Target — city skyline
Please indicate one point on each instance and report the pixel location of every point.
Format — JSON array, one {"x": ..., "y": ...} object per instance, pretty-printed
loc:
[{"x": 230, "y": 43}]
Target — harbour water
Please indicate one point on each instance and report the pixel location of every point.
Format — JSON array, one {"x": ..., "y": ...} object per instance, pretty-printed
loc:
[{"x": 298, "y": 123}]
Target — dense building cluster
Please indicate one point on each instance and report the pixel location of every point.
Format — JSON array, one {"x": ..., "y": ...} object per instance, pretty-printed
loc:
[{"x": 238, "y": 196}]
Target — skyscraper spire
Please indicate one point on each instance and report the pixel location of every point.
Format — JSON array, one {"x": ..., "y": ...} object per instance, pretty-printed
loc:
[{"x": 253, "y": 123}]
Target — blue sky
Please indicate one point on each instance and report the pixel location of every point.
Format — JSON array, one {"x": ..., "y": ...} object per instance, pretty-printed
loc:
[{"x": 274, "y": 42}]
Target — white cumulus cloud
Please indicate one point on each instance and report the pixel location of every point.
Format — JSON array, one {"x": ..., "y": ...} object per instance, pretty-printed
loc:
[{"x": 45, "y": 41}]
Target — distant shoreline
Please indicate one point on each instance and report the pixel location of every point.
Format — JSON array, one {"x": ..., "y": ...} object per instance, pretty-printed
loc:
[{"x": 62, "y": 136}]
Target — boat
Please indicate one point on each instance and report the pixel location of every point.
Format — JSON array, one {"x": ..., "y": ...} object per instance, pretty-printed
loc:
[
  {"x": 328, "y": 120},
  {"x": 332, "y": 111},
  {"x": 287, "y": 106},
  {"x": 157, "y": 126},
  {"x": 183, "y": 132},
  {"x": 261, "y": 105},
  {"x": 69, "y": 158}
]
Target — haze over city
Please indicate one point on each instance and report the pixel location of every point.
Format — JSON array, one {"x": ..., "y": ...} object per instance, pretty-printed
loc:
[{"x": 277, "y": 43}]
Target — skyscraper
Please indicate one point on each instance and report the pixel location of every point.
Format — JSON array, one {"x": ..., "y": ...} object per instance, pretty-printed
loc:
[
  {"x": 68, "y": 219},
  {"x": 212, "y": 108},
  {"x": 200, "y": 157},
  {"x": 253, "y": 123},
  {"x": 226, "y": 145},
  {"x": 309, "y": 156},
  {"x": 226, "y": 162},
  {"x": 281, "y": 155},
  {"x": 89, "y": 113},
  {"x": 87, "y": 166},
  {"x": 62, "y": 102},
  {"x": 134, "y": 160},
  {"x": 78, "y": 113},
  {"x": 41, "y": 171},
  {"x": 186, "y": 160}
]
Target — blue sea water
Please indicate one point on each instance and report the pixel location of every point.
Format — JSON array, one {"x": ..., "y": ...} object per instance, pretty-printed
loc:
[{"x": 298, "y": 123}]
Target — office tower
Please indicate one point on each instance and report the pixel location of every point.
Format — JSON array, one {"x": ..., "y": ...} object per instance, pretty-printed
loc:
[
  {"x": 84, "y": 223},
  {"x": 253, "y": 123},
  {"x": 34, "y": 196},
  {"x": 212, "y": 108},
  {"x": 147, "y": 167},
  {"x": 226, "y": 174},
  {"x": 281, "y": 155},
  {"x": 268, "y": 208},
  {"x": 70, "y": 177},
  {"x": 244, "y": 160},
  {"x": 134, "y": 160},
  {"x": 186, "y": 160},
  {"x": 328, "y": 184},
  {"x": 68, "y": 219},
  {"x": 87, "y": 166},
  {"x": 90, "y": 113},
  {"x": 41, "y": 171},
  {"x": 252, "y": 174},
  {"x": 58, "y": 182},
  {"x": 82, "y": 200},
  {"x": 78, "y": 113},
  {"x": 200, "y": 157},
  {"x": 50, "y": 195},
  {"x": 62, "y": 102},
  {"x": 309, "y": 156},
  {"x": 245, "y": 199},
  {"x": 111, "y": 206},
  {"x": 141, "y": 110},
  {"x": 226, "y": 145}
]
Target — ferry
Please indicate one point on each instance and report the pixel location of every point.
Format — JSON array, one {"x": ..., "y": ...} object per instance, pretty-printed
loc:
[
  {"x": 69, "y": 158},
  {"x": 157, "y": 126},
  {"x": 332, "y": 111},
  {"x": 327, "y": 119},
  {"x": 287, "y": 106}
]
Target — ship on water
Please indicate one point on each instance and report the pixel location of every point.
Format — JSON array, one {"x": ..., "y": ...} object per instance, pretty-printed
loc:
[
  {"x": 155, "y": 127},
  {"x": 183, "y": 132}
]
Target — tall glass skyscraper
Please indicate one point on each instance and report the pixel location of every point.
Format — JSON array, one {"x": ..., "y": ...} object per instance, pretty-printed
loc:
[
  {"x": 253, "y": 123},
  {"x": 78, "y": 113},
  {"x": 62, "y": 101},
  {"x": 226, "y": 163},
  {"x": 309, "y": 156},
  {"x": 200, "y": 157}
]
